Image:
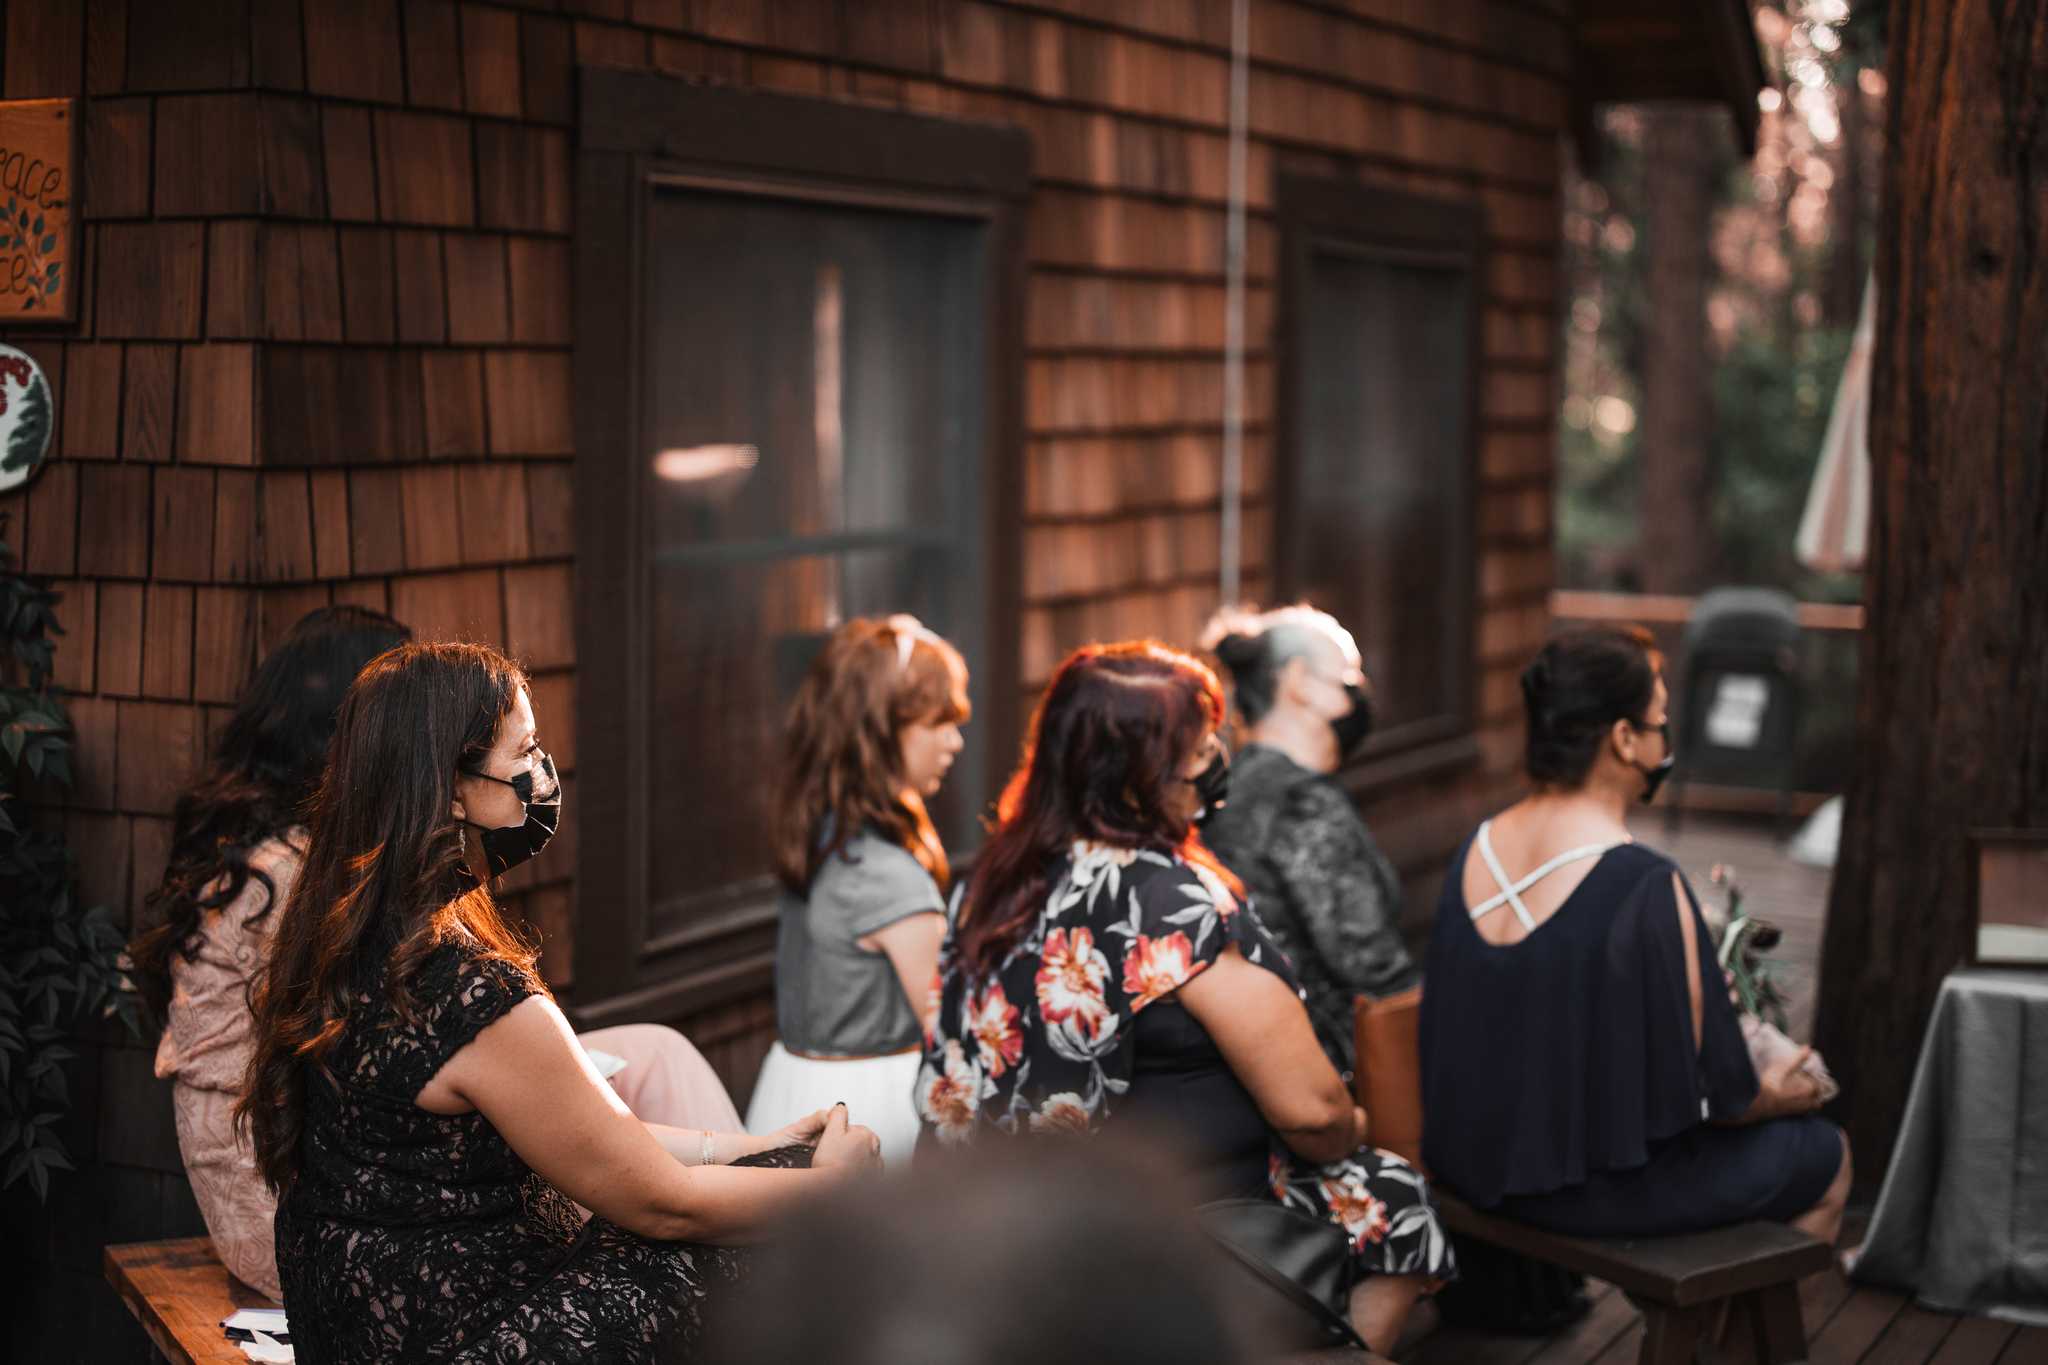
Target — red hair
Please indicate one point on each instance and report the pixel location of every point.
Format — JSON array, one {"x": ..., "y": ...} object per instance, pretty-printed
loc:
[{"x": 1105, "y": 748}]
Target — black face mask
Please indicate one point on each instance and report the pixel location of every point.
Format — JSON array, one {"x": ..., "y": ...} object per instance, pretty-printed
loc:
[
  {"x": 1354, "y": 727},
  {"x": 1212, "y": 786},
  {"x": 1653, "y": 777},
  {"x": 508, "y": 846}
]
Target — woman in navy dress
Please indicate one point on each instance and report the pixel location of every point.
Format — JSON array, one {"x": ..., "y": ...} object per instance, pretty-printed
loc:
[{"x": 1583, "y": 1070}]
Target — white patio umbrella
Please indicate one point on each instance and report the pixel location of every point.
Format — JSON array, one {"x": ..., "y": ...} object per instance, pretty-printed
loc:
[{"x": 1835, "y": 528}]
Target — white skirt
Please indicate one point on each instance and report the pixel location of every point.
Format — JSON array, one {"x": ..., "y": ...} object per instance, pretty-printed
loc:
[{"x": 877, "y": 1091}]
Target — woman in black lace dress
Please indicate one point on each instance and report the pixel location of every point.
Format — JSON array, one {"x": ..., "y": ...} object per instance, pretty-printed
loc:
[{"x": 417, "y": 1099}]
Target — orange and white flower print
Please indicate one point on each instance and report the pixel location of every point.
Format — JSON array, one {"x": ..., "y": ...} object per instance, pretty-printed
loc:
[
  {"x": 1157, "y": 967},
  {"x": 949, "y": 1096},
  {"x": 928, "y": 1017},
  {"x": 1073, "y": 977},
  {"x": 992, "y": 1022},
  {"x": 1065, "y": 1112},
  {"x": 1364, "y": 1218},
  {"x": 1219, "y": 894}
]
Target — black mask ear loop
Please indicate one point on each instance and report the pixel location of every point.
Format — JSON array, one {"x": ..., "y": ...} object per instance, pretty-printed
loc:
[{"x": 1653, "y": 776}]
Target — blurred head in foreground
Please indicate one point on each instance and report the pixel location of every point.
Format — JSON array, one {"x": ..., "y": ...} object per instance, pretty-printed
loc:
[{"x": 1014, "y": 1255}]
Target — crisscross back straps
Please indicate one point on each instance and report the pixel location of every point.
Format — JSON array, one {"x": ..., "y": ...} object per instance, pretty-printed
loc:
[{"x": 1511, "y": 891}]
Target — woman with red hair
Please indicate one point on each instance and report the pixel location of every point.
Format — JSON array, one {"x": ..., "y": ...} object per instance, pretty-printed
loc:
[{"x": 1103, "y": 966}]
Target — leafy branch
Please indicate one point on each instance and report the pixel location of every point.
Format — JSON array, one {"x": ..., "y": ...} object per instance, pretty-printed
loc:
[{"x": 59, "y": 960}]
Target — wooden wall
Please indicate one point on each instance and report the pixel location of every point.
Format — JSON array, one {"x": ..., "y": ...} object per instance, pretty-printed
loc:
[{"x": 323, "y": 356}]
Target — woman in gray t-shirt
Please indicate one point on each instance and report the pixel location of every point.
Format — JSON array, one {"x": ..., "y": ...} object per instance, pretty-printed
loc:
[{"x": 872, "y": 733}]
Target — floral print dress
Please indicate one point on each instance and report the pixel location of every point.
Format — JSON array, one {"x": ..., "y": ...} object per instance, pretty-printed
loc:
[{"x": 1048, "y": 1043}]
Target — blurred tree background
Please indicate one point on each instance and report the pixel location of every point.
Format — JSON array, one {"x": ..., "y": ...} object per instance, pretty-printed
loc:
[{"x": 1713, "y": 301}]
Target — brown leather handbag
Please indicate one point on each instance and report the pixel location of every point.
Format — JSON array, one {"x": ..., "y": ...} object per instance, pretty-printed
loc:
[{"x": 1388, "y": 1081}]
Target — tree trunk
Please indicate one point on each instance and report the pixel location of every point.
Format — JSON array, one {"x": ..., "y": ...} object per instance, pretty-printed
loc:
[
  {"x": 1674, "y": 502},
  {"x": 1952, "y": 712},
  {"x": 1842, "y": 295}
]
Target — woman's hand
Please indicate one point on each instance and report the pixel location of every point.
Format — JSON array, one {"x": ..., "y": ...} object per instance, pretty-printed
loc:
[
  {"x": 803, "y": 1132},
  {"x": 1786, "y": 1089},
  {"x": 843, "y": 1148}
]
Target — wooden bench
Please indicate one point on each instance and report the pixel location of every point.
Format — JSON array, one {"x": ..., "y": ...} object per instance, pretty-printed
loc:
[
  {"x": 1681, "y": 1283},
  {"x": 179, "y": 1291}
]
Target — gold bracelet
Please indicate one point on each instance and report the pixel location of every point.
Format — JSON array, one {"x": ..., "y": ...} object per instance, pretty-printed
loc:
[{"x": 707, "y": 1155}]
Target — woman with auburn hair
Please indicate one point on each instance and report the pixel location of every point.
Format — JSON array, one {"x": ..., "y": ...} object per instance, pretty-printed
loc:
[
  {"x": 873, "y": 730},
  {"x": 416, "y": 1098},
  {"x": 1103, "y": 966}
]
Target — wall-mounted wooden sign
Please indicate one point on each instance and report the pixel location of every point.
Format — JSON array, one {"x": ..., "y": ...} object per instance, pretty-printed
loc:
[{"x": 39, "y": 235}]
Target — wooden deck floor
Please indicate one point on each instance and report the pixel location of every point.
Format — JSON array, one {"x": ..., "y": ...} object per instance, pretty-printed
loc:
[{"x": 1845, "y": 1323}]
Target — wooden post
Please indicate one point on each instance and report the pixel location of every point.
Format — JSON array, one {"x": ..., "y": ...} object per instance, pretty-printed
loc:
[{"x": 1952, "y": 718}]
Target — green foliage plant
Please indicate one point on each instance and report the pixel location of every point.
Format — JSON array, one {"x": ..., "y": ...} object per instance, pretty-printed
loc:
[{"x": 59, "y": 959}]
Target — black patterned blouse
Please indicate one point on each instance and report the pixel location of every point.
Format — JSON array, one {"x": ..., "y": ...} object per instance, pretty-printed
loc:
[
  {"x": 416, "y": 1236},
  {"x": 1327, "y": 894}
]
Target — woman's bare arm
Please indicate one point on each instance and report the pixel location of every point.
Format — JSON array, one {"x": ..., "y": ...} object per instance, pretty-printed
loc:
[
  {"x": 1263, "y": 1032},
  {"x": 527, "y": 1075},
  {"x": 912, "y": 945}
]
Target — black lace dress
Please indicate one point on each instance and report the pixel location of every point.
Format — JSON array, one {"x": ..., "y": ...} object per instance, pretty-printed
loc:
[{"x": 416, "y": 1236}]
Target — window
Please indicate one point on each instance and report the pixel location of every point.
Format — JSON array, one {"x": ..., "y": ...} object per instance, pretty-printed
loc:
[
  {"x": 1376, "y": 496},
  {"x": 795, "y": 406}
]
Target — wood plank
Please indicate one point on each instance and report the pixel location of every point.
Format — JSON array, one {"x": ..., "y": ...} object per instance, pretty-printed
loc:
[
  {"x": 2028, "y": 1345},
  {"x": 1611, "y": 1315},
  {"x": 45, "y": 49},
  {"x": 208, "y": 155},
  {"x": 526, "y": 394},
  {"x": 277, "y": 47},
  {"x": 116, "y": 170},
  {"x": 550, "y": 497},
  {"x": 149, "y": 403},
  {"x": 234, "y": 279},
  {"x": 468, "y": 605},
  {"x": 106, "y": 49},
  {"x": 181, "y": 543},
  {"x": 223, "y": 643},
  {"x": 1678, "y": 1270},
  {"x": 279, "y": 609},
  {"x": 523, "y": 178},
  {"x": 376, "y": 521},
  {"x": 539, "y": 291},
  {"x": 290, "y": 151},
  {"x": 149, "y": 279},
  {"x": 235, "y": 536},
  {"x": 453, "y": 387},
  {"x": 418, "y": 277},
  {"x": 353, "y": 50},
  {"x": 187, "y": 1278},
  {"x": 368, "y": 285},
  {"x": 1912, "y": 1338},
  {"x": 547, "y": 64},
  {"x": 491, "y": 498},
  {"x": 301, "y": 283},
  {"x": 217, "y": 404},
  {"x": 540, "y": 628},
  {"x": 49, "y": 531},
  {"x": 113, "y": 536},
  {"x": 491, "y": 81},
  {"x": 186, "y": 45},
  {"x": 1856, "y": 1328},
  {"x": 478, "y": 311},
  {"x": 433, "y": 54},
  {"x": 423, "y": 169},
  {"x": 120, "y": 640},
  {"x": 159, "y": 752},
  {"x": 1975, "y": 1341},
  {"x": 351, "y": 163},
  {"x": 95, "y": 725},
  {"x": 433, "y": 536},
  {"x": 167, "y": 642},
  {"x": 329, "y": 489},
  {"x": 72, "y": 664},
  {"x": 285, "y": 543}
]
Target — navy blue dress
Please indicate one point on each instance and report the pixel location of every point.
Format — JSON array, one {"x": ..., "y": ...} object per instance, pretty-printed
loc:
[{"x": 1560, "y": 1082}]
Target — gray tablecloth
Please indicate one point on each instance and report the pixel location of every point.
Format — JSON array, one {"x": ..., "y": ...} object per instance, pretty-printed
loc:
[{"x": 1962, "y": 1221}]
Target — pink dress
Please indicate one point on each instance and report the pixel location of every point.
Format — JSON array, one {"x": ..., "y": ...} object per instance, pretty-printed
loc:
[{"x": 205, "y": 1051}]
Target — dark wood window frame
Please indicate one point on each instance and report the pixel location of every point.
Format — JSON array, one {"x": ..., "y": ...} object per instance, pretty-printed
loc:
[
  {"x": 1316, "y": 214},
  {"x": 640, "y": 131}
]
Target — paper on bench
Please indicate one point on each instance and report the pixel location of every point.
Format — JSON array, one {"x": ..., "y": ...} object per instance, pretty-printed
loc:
[
  {"x": 266, "y": 1350},
  {"x": 269, "y": 1320}
]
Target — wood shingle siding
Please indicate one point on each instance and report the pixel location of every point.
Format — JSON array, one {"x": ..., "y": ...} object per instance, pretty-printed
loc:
[{"x": 325, "y": 353}]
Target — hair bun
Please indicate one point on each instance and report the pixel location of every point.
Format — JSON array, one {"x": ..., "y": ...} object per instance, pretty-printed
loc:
[{"x": 1237, "y": 649}]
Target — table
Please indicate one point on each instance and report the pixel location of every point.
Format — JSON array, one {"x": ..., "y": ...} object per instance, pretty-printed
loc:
[{"x": 1962, "y": 1220}]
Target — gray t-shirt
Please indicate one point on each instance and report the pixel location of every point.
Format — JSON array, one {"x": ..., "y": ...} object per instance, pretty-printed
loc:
[{"x": 834, "y": 998}]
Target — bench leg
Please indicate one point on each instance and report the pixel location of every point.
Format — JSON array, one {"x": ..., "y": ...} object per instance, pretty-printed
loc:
[
  {"x": 1669, "y": 1334},
  {"x": 1780, "y": 1330}
]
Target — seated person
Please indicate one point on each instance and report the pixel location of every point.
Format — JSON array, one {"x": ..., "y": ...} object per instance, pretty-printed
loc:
[
  {"x": 1102, "y": 968},
  {"x": 1325, "y": 891},
  {"x": 872, "y": 732},
  {"x": 1582, "y": 1068},
  {"x": 415, "y": 1096},
  {"x": 235, "y": 853}
]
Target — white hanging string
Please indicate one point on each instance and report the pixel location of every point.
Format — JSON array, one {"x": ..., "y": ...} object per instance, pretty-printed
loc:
[{"x": 1232, "y": 491}]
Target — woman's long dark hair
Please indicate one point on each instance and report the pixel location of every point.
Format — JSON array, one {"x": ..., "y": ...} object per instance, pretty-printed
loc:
[
  {"x": 1105, "y": 748},
  {"x": 842, "y": 764},
  {"x": 257, "y": 781},
  {"x": 384, "y": 880}
]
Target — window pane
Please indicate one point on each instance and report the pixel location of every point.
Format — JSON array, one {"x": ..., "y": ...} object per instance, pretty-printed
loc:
[
  {"x": 839, "y": 349},
  {"x": 730, "y": 645},
  {"x": 1380, "y": 495}
]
